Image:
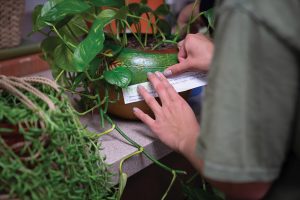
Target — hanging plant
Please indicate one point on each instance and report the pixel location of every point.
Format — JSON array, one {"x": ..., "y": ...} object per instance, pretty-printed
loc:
[{"x": 45, "y": 153}]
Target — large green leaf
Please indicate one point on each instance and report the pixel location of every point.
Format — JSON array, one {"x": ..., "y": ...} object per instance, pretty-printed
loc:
[
  {"x": 64, "y": 8},
  {"x": 63, "y": 58},
  {"x": 113, "y": 3},
  {"x": 120, "y": 76},
  {"x": 92, "y": 45}
]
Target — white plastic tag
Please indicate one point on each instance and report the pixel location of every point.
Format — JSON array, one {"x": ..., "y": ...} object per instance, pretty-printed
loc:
[{"x": 182, "y": 82}]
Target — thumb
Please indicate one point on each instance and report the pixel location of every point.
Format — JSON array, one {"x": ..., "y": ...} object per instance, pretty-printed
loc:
[{"x": 177, "y": 68}]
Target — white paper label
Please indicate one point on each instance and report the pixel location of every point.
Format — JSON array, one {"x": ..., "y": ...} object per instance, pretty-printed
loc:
[{"x": 182, "y": 82}]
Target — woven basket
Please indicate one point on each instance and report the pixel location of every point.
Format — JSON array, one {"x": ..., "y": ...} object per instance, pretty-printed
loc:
[{"x": 11, "y": 12}]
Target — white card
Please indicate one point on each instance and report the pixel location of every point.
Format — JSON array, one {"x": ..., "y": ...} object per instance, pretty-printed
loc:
[{"x": 182, "y": 82}]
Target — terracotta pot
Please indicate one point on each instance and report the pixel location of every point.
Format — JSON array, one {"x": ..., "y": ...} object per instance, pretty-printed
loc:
[{"x": 124, "y": 111}]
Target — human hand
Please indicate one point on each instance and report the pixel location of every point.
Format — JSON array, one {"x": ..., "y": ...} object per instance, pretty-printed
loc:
[
  {"x": 195, "y": 54},
  {"x": 175, "y": 123}
]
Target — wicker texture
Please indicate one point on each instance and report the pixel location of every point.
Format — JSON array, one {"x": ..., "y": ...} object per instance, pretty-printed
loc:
[{"x": 11, "y": 12}]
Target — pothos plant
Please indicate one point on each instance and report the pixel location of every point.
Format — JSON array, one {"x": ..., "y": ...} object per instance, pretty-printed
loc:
[{"x": 85, "y": 41}]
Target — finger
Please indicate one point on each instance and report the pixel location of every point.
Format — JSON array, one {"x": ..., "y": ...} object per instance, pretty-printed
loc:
[
  {"x": 182, "y": 54},
  {"x": 177, "y": 68},
  {"x": 143, "y": 117},
  {"x": 150, "y": 100},
  {"x": 169, "y": 88},
  {"x": 179, "y": 44},
  {"x": 159, "y": 87}
]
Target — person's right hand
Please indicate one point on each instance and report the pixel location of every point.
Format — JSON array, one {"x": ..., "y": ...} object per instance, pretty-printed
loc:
[{"x": 195, "y": 54}]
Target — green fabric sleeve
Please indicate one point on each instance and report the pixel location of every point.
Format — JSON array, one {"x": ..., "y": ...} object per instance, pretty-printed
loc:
[{"x": 249, "y": 103}]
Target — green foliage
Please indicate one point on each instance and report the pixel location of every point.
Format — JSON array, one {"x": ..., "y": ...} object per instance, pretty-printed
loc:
[
  {"x": 63, "y": 9},
  {"x": 198, "y": 189},
  {"x": 120, "y": 76},
  {"x": 68, "y": 20},
  {"x": 113, "y": 3},
  {"x": 54, "y": 161},
  {"x": 210, "y": 16}
]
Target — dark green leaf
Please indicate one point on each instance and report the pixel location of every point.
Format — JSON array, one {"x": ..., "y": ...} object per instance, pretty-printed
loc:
[
  {"x": 209, "y": 15},
  {"x": 88, "y": 49},
  {"x": 74, "y": 29},
  {"x": 120, "y": 76},
  {"x": 196, "y": 193},
  {"x": 63, "y": 22},
  {"x": 94, "y": 66},
  {"x": 113, "y": 3},
  {"x": 48, "y": 45},
  {"x": 80, "y": 77},
  {"x": 63, "y": 58},
  {"x": 144, "y": 1},
  {"x": 37, "y": 24},
  {"x": 122, "y": 13},
  {"x": 162, "y": 10},
  {"x": 164, "y": 26},
  {"x": 64, "y": 8},
  {"x": 137, "y": 10}
]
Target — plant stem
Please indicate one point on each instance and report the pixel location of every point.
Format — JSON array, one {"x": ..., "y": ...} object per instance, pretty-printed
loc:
[
  {"x": 59, "y": 35},
  {"x": 59, "y": 75},
  {"x": 144, "y": 152},
  {"x": 87, "y": 111},
  {"x": 93, "y": 79},
  {"x": 191, "y": 16},
  {"x": 171, "y": 184},
  {"x": 137, "y": 38}
]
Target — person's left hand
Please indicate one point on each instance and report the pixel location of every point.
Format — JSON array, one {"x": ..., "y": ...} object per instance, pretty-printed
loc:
[{"x": 175, "y": 123}]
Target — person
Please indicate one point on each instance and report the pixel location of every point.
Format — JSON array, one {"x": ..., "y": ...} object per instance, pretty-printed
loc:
[{"x": 248, "y": 144}]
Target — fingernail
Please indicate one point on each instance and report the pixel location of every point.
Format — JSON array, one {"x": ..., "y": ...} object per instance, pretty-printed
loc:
[
  {"x": 167, "y": 72},
  {"x": 149, "y": 73},
  {"x": 135, "y": 109},
  {"x": 158, "y": 74},
  {"x": 140, "y": 87}
]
